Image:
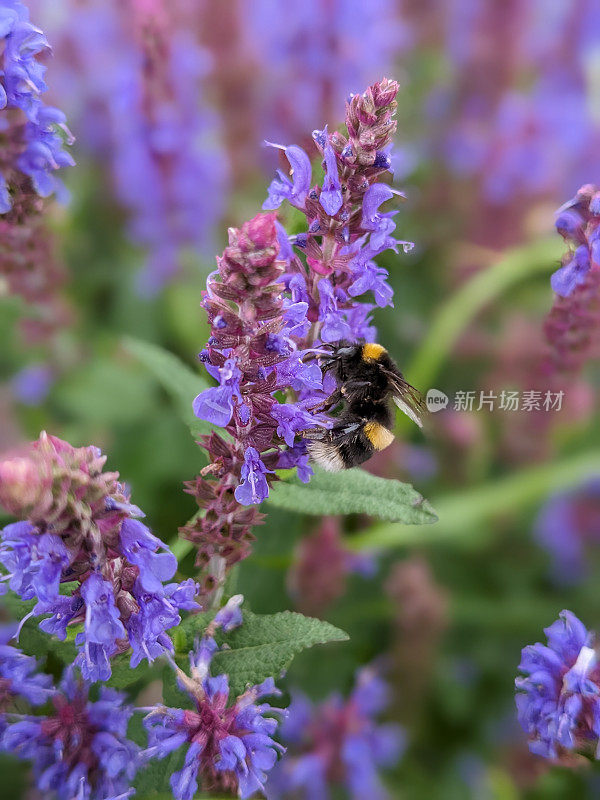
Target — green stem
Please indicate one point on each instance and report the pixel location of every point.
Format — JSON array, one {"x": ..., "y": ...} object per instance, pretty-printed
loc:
[
  {"x": 462, "y": 513},
  {"x": 454, "y": 316},
  {"x": 180, "y": 547}
]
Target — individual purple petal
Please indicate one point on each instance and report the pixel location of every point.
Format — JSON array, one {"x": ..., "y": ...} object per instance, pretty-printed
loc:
[
  {"x": 282, "y": 188},
  {"x": 102, "y": 629},
  {"x": 230, "y": 616},
  {"x": 292, "y": 418},
  {"x": 331, "y": 194},
  {"x": 184, "y": 782},
  {"x": 216, "y": 404},
  {"x": 182, "y": 594},
  {"x": 140, "y": 546},
  {"x": 254, "y": 487}
]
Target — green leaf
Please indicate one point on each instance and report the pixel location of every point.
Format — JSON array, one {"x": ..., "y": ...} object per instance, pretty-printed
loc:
[
  {"x": 154, "y": 779},
  {"x": 123, "y": 675},
  {"x": 465, "y": 516},
  {"x": 353, "y": 491},
  {"x": 178, "y": 380},
  {"x": 173, "y": 696},
  {"x": 264, "y": 646}
]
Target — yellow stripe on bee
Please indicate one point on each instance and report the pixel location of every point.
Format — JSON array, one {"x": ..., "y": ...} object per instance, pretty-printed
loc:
[
  {"x": 372, "y": 352},
  {"x": 378, "y": 435}
]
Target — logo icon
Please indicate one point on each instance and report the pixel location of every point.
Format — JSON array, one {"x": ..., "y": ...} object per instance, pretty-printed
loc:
[{"x": 436, "y": 400}]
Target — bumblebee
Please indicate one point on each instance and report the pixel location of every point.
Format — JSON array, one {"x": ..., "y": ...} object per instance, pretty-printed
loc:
[{"x": 367, "y": 381}]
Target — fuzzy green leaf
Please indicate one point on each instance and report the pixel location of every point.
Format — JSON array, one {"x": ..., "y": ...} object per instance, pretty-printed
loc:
[
  {"x": 264, "y": 646},
  {"x": 123, "y": 675},
  {"x": 177, "y": 379},
  {"x": 154, "y": 779},
  {"x": 353, "y": 491}
]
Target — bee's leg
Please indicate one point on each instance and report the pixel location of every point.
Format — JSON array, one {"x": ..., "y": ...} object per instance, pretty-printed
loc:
[
  {"x": 334, "y": 399},
  {"x": 351, "y": 385}
]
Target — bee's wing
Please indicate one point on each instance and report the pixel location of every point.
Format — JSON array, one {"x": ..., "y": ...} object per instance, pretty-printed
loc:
[{"x": 408, "y": 399}]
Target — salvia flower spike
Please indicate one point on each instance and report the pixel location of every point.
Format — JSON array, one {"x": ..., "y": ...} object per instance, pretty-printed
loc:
[
  {"x": 78, "y": 527},
  {"x": 273, "y": 302}
]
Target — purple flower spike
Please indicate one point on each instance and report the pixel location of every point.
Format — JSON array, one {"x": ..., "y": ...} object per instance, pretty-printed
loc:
[
  {"x": 118, "y": 567},
  {"x": 282, "y": 188},
  {"x": 331, "y": 193},
  {"x": 558, "y": 697},
  {"x": 254, "y": 487},
  {"x": 230, "y": 744},
  {"x": 272, "y": 303},
  {"x": 216, "y": 404},
  {"x": 32, "y": 384}
]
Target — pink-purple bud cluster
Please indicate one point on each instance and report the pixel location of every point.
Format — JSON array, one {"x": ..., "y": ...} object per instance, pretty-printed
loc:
[{"x": 321, "y": 568}]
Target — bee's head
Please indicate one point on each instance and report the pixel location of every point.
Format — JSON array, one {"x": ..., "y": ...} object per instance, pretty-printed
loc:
[{"x": 339, "y": 355}]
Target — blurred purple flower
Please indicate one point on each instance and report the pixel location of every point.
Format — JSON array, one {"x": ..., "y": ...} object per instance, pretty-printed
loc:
[
  {"x": 578, "y": 222},
  {"x": 312, "y": 55},
  {"x": 33, "y": 145},
  {"x": 80, "y": 748},
  {"x": 32, "y": 384},
  {"x": 337, "y": 744},
  {"x": 572, "y": 327},
  {"x": 567, "y": 526},
  {"x": 19, "y": 679},
  {"x": 515, "y": 113},
  {"x": 145, "y": 115}
]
